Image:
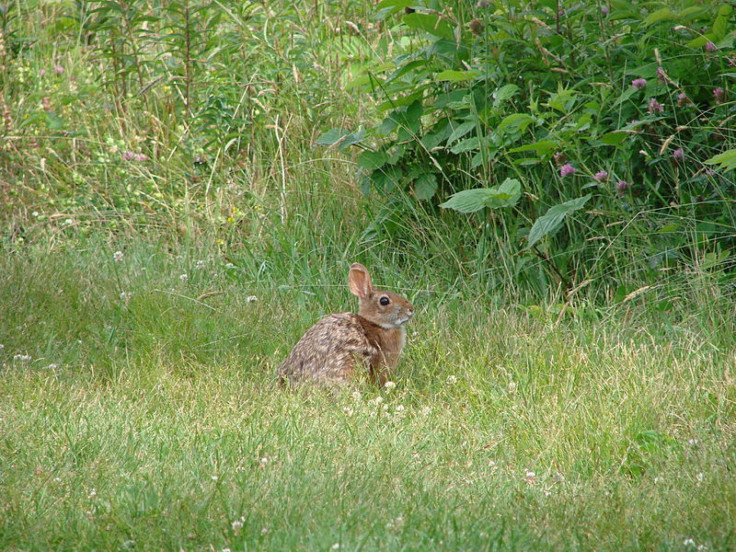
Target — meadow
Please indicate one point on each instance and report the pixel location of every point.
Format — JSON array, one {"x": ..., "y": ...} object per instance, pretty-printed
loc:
[{"x": 184, "y": 186}]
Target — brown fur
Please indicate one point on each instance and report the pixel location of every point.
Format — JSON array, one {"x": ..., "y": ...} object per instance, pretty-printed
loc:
[{"x": 340, "y": 346}]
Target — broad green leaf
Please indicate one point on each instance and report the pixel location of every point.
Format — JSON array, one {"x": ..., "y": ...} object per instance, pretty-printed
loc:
[
  {"x": 470, "y": 201},
  {"x": 504, "y": 93},
  {"x": 466, "y": 145},
  {"x": 425, "y": 186},
  {"x": 515, "y": 123},
  {"x": 372, "y": 160},
  {"x": 541, "y": 147},
  {"x": 340, "y": 138},
  {"x": 454, "y": 76},
  {"x": 551, "y": 221},
  {"x": 659, "y": 15},
  {"x": 726, "y": 160},
  {"x": 461, "y": 130},
  {"x": 432, "y": 24},
  {"x": 614, "y": 138}
]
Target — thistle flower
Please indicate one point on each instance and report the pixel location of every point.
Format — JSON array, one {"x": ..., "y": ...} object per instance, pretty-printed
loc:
[
  {"x": 567, "y": 170},
  {"x": 639, "y": 84}
]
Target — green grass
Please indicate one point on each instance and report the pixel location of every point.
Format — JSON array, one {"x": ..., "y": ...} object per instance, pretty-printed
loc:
[
  {"x": 154, "y": 423},
  {"x": 138, "y": 403}
]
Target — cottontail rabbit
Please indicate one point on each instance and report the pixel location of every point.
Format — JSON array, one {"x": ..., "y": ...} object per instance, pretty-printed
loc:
[{"x": 342, "y": 344}]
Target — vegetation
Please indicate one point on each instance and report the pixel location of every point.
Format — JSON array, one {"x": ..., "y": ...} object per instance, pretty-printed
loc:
[{"x": 184, "y": 185}]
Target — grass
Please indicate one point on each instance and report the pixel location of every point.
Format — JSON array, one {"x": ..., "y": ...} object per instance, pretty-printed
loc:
[
  {"x": 153, "y": 422},
  {"x": 145, "y": 304}
]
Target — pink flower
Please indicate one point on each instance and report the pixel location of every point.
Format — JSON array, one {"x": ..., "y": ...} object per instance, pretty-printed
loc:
[
  {"x": 622, "y": 186},
  {"x": 639, "y": 84},
  {"x": 710, "y": 47},
  {"x": 719, "y": 95},
  {"x": 604, "y": 10},
  {"x": 41, "y": 72},
  {"x": 58, "y": 69},
  {"x": 140, "y": 157},
  {"x": 682, "y": 99},
  {"x": 567, "y": 170},
  {"x": 678, "y": 155},
  {"x": 128, "y": 156},
  {"x": 600, "y": 176},
  {"x": 655, "y": 106}
]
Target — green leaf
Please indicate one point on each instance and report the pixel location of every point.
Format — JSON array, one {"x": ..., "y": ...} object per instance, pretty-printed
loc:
[
  {"x": 461, "y": 130},
  {"x": 516, "y": 122},
  {"x": 466, "y": 145},
  {"x": 726, "y": 160},
  {"x": 614, "y": 138},
  {"x": 541, "y": 147},
  {"x": 551, "y": 221},
  {"x": 470, "y": 201},
  {"x": 432, "y": 24},
  {"x": 664, "y": 14},
  {"x": 504, "y": 93},
  {"x": 454, "y": 76},
  {"x": 425, "y": 186},
  {"x": 372, "y": 160},
  {"x": 340, "y": 138}
]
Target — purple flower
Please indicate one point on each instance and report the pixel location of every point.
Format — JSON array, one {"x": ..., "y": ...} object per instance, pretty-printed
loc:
[
  {"x": 719, "y": 95},
  {"x": 655, "y": 106},
  {"x": 622, "y": 186},
  {"x": 140, "y": 157},
  {"x": 41, "y": 72},
  {"x": 639, "y": 84},
  {"x": 567, "y": 170},
  {"x": 682, "y": 99},
  {"x": 600, "y": 176},
  {"x": 710, "y": 47},
  {"x": 58, "y": 69},
  {"x": 678, "y": 155},
  {"x": 604, "y": 10},
  {"x": 128, "y": 156}
]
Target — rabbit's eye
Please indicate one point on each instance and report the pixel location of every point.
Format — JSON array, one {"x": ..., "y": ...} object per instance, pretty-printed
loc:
[{"x": 384, "y": 300}]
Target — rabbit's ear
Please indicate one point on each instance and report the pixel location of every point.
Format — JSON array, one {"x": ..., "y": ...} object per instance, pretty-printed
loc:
[{"x": 360, "y": 281}]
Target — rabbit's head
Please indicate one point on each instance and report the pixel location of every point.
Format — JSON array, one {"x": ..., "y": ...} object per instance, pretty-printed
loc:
[{"x": 384, "y": 308}]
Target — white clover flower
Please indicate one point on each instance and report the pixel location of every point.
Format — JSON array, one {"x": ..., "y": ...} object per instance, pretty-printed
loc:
[
  {"x": 688, "y": 542},
  {"x": 237, "y": 525},
  {"x": 68, "y": 222},
  {"x": 200, "y": 265},
  {"x": 264, "y": 460},
  {"x": 512, "y": 387},
  {"x": 118, "y": 256},
  {"x": 451, "y": 380},
  {"x": 251, "y": 299},
  {"x": 426, "y": 410},
  {"x": 347, "y": 410},
  {"x": 214, "y": 477},
  {"x": 388, "y": 386},
  {"x": 184, "y": 277},
  {"x": 335, "y": 546},
  {"x": 356, "y": 394},
  {"x": 229, "y": 265},
  {"x": 2, "y": 346},
  {"x": 52, "y": 366},
  {"x": 125, "y": 297}
]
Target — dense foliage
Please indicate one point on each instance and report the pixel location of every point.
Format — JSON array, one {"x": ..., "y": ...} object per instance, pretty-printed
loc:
[{"x": 613, "y": 111}]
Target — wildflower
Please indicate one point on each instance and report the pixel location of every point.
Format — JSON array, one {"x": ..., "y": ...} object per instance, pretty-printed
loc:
[
  {"x": 229, "y": 266},
  {"x": 184, "y": 277},
  {"x": 200, "y": 265},
  {"x": 46, "y": 104},
  {"x": 655, "y": 106},
  {"x": 237, "y": 525},
  {"x": 530, "y": 477},
  {"x": 125, "y": 296},
  {"x": 622, "y": 186},
  {"x": 692, "y": 442},
  {"x": 335, "y": 546},
  {"x": 678, "y": 155},
  {"x": 264, "y": 460},
  {"x": 68, "y": 222},
  {"x": 512, "y": 387},
  {"x": 58, "y": 69},
  {"x": 710, "y": 47},
  {"x": 118, "y": 256},
  {"x": 476, "y": 27},
  {"x": 639, "y": 84},
  {"x": 42, "y": 73},
  {"x": 600, "y": 176},
  {"x": 2, "y": 346},
  {"x": 214, "y": 477},
  {"x": 482, "y": 4},
  {"x": 140, "y": 157},
  {"x": 52, "y": 366},
  {"x": 718, "y": 95},
  {"x": 567, "y": 170},
  {"x": 357, "y": 395},
  {"x": 22, "y": 358},
  {"x": 251, "y": 298},
  {"x": 265, "y": 531},
  {"x": 388, "y": 386},
  {"x": 688, "y": 542},
  {"x": 451, "y": 380},
  {"x": 347, "y": 410},
  {"x": 604, "y": 10},
  {"x": 128, "y": 156},
  {"x": 682, "y": 99}
]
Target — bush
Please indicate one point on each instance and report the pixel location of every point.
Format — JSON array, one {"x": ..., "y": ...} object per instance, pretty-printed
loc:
[{"x": 581, "y": 134}]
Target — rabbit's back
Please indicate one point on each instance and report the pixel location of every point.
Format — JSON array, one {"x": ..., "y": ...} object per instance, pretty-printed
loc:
[{"x": 332, "y": 349}]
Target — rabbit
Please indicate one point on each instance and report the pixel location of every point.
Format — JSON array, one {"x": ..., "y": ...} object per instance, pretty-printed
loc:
[{"x": 340, "y": 346}]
